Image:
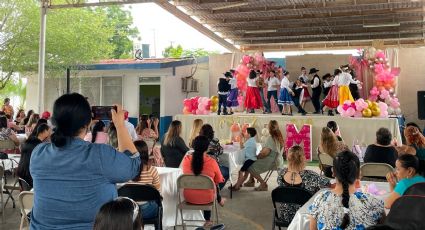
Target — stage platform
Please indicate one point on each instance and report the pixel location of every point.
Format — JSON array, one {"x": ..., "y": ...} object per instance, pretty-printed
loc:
[{"x": 361, "y": 129}]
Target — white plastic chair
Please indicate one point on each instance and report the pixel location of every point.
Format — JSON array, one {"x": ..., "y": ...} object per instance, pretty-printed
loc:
[{"x": 26, "y": 200}]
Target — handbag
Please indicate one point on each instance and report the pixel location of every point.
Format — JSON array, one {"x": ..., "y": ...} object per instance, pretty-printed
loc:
[{"x": 358, "y": 150}]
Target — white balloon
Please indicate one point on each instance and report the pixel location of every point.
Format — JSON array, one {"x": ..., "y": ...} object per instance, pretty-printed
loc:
[
  {"x": 398, "y": 111},
  {"x": 390, "y": 110}
]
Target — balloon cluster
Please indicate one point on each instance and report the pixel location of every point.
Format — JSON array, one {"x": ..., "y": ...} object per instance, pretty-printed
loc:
[
  {"x": 248, "y": 62},
  {"x": 384, "y": 76},
  {"x": 200, "y": 105},
  {"x": 384, "y": 96},
  {"x": 363, "y": 108}
]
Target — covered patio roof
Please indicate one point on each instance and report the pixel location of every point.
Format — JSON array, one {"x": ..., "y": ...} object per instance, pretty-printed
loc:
[{"x": 294, "y": 24}]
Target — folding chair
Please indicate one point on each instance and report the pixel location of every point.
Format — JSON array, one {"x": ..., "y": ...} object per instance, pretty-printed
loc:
[
  {"x": 24, "y": 185},
  {"x": 407, "y": 213},
  {"x": 375, "y": 171},
  {"x": 26, "y": 199},
  {"x": 416, "y": 189},
  {"x": 1, "y": 193},
  {"x": 287, "y": 195},
  {"x": 199, "y": 182},
  {"x": 325, "y": 161},
  {"x": 138, "y": 193},
  {"x": 274, "y": 167},
  {"x": 9, "y": 188}
]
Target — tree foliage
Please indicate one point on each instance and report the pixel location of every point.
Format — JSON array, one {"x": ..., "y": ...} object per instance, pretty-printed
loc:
[{"x": 178, "y": 52}]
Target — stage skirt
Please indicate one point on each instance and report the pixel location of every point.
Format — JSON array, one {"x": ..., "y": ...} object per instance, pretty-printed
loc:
[
  {"x": 285, "y": 98},
  {"x": 331, "y": 100},
  {"x": 253, "y": 99},
  {"x": 232, "y": 99},
  {"x": 306, "y": 95},
  {"x": 344, "y": 94}
]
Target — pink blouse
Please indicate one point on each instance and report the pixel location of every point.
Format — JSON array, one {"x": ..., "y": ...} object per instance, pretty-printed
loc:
[{"x": 101, "y": 138}]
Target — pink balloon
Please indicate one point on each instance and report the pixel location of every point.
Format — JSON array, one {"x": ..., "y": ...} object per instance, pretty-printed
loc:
[
  {"x": 350, "y": 112},
  {"x": 358, "y": 114},
  {"x": 380, "y": 54},
  {"x": 246, "y": 59},
  {"x": 384, "y": 94},
  {"x": 384, "y": 114},
  {"x": 340, "y": 109},
  {"x": 383, "y": 106}
]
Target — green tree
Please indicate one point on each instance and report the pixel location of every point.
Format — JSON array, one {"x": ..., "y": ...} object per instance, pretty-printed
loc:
[
  {"x": 178, "y": 52},
  {"x": 173, "y": 52},
  {"x": 121, "y": 20},
  {"x": 17, "y": 88}
]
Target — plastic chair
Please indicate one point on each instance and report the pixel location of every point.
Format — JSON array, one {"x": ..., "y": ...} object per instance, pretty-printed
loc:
[
  {"x": 287, "y": 195},
  {"x": 138, "y": 193},
  {"x": 199, "y": 182},
  {"x": 375, "y": 171},
  {"x": 24, "y": 185},
  {"x": 26, "y": 199},
  {"x": 406, "y": 213},
  {"x": 416, "y": 189},
  {"x": 325, "y": 160}
]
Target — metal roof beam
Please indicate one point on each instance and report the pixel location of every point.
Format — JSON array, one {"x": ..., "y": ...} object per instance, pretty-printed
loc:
[
  {"x": 196, "y": 25},
  {"x": 51, "y": 5}
]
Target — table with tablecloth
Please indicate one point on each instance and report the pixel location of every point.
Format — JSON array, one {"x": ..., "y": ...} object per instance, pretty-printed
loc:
[
  {"x": 11, "y": 163},
  {"x": 301, "y": 219},
  {"x": 233, "y": 157},
  {"x": 168, "y": 178}
]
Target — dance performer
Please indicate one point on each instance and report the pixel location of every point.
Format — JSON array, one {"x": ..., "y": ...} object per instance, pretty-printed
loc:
[
  {"x": 285, "y": 98},
  {"x": 304, "y": 79},
  {"x": 316, "y": 86},
  {"x": 344, "y": 93},
  {"x": 298, "y": 90},
  {"x": 223, "y": 92},
  {"x": 252, "y": 99},
  {"x": 331, "y": 100},
  {"x": 273, "y": 84},
  {"x": 261, "y": 84},
  {"x": 327, "y": 83},
  {"x": 232, "y": 99}
]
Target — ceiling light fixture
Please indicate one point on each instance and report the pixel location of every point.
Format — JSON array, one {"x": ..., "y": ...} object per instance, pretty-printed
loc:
[
  {"x": 381, "y": 25},
  {"x": 259, "y": 31},
  {"x": 231, "y": 6}
]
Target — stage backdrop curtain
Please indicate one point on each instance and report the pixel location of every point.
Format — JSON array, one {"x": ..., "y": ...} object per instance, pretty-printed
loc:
[
  {"x": 352, "y": 129},
  {"x": 392, "y": 55}
]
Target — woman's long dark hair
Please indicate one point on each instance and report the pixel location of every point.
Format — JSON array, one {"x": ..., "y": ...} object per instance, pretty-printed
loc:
[
  {"x": 252, "y": 74},
  {"x": 24, "y": 163},
  {"x": 207, "y": 131},
  {"x": 143, "y": 150},
  {"x": 34, "y": 132},
  {"x": 117, "y": 215},
  {"x": 71, "y": 113},
  {"x": 27, "y": 118},
  {"x": 3, "y": 121},
  {"x": 200, "y": 145},
  {"x": 346, "y": 166},
  {"x": 98, "y": 127}
]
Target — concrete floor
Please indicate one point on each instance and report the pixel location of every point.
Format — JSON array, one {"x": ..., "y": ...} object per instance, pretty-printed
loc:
[{"x": 248, "y": 210}]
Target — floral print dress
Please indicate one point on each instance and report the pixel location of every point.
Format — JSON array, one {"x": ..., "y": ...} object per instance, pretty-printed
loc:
[
  {"x": 311, "y": 181},
  {"x": 364, "y": 210}
]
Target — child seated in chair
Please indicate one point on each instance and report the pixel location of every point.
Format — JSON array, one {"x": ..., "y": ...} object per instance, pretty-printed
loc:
[{"x": 250, "y": 151}]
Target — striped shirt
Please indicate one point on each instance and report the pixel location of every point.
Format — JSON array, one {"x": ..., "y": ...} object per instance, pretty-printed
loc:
[{"x": 151, "y": 177}]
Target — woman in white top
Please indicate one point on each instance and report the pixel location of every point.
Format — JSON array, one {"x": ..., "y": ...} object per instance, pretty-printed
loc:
[
  {"x": 344, "y": 93},
  {"x": 331, "y": 100},
  {"x": 253, "y": 99},
  {"x": 272, "y": 86},
  {"x": 285, "y": 98}
]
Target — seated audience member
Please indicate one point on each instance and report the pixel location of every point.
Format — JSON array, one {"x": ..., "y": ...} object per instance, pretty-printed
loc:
[
  {"x": 405, "y": 175},
  {"x": 295, "y": 175},
  {"x": 173, "y": 147},
  {"x": 43, "y": 133},
  {"x": 7, "y": 133},
  {"x": 120, "y": 214},
  {"x": 20, "y": 116},
  {"x": 147, "y": 129},
  {"x": 24, "y": 163},
  {"x": 11, "y": 124},
  {"x": 46, "y": 115},
  {"x": 200, "y": 162},
  {"x": 32, "y": 122},
  {"x": 73, "y": 178},
  {"x": 250, "y": 152},
  {"x": 7, "y": 108},
  {"x": 330, "y": 145},
  {"x": 148, "y": 176},
  {"x": 112, "y": 136},
  {"x": 382, "y": 151},
  {"x": 268, "y": 158},
  {"x": 39, "y": 122},
  {"x": 215, "y": 150},
  {"x": 98, "y": 134},
  {"x": 332, "y": 125},
  {"x": 130, "y": 127},
  {"x": 196, "y": 128},
  {"x": 416, "y": 140},
  {"x": 27, "y": 117},
  {"x": 343, "y": 207}
]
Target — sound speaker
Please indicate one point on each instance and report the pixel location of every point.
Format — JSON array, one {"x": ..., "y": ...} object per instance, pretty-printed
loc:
[{"x": 421, "y": 105}]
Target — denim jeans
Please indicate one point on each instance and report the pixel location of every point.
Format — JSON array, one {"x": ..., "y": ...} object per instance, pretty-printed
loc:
[
  {"x": 149, "y": 210},
  {"x": 222, "y": 100},
  {"x": 269, "y": 97},
  {"x": 262, "y": 98},
  {"x": 297, "y": 104},
  {"x": 225, "y": 172}
]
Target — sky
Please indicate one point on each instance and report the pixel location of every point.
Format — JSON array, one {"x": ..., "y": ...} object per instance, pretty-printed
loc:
[{"x": 156, "y": 24}]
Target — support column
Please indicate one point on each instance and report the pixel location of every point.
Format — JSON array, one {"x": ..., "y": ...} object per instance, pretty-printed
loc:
[{"x": 42, "y": 54}]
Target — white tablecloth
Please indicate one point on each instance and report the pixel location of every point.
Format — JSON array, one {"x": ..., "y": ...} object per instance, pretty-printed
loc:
[
  {"x": 10, "y": 163},
  {"x": 301, "y": 219},
  {"x": 168, "y": 178},
  {"x": 234, "y": 157}
]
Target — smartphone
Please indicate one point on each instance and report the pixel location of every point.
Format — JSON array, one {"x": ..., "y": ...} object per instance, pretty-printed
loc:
[{"x": 102, "y": 112}]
